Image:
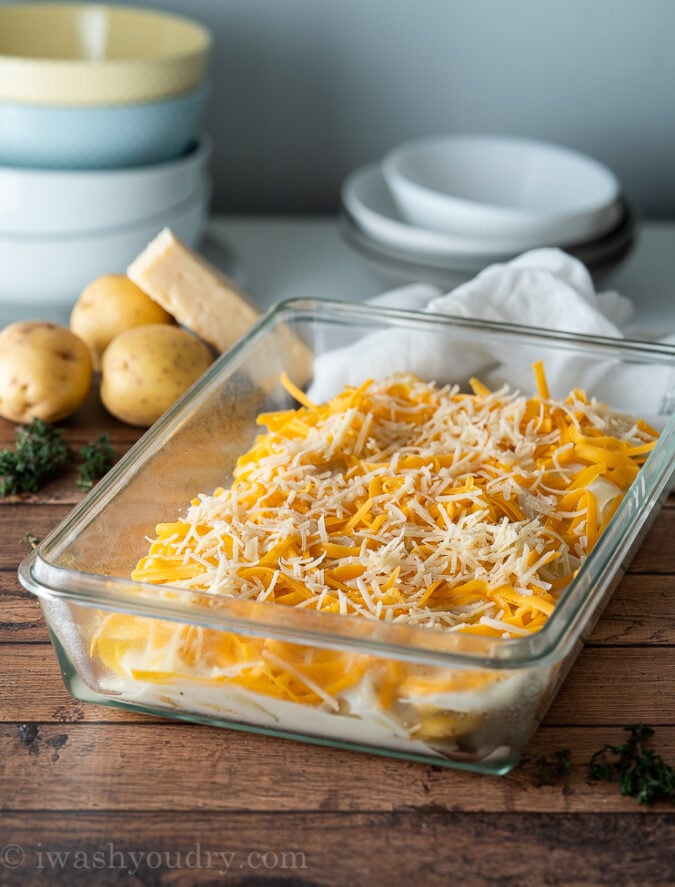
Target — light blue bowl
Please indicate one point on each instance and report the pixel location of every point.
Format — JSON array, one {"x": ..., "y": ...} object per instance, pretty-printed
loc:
[{"x": 100, "y": 136}]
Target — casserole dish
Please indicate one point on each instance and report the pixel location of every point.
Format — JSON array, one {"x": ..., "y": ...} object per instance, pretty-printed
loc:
[{"x": 450, "y": 698}]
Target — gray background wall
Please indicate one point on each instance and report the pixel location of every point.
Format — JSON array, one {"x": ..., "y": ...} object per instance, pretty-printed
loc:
[{"x": 305, "y": 90}]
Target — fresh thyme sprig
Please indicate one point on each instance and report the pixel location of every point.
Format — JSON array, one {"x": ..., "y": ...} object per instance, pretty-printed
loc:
[
  {"x": 641, "y": 773},
  {"x": 98, "y": 458},
  {"x": 39, "y": 455}
]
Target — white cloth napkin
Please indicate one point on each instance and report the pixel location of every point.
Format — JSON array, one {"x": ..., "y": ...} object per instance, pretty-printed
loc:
[{"x": 543, "y": 288}]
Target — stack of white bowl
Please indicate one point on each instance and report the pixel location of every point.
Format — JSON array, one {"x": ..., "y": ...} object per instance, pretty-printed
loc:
[
  {"x": 101, "y": 144},
  {"x": 440, "y": 209}
]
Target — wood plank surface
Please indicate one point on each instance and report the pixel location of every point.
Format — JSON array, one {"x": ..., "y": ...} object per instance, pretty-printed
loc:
[
  {"x": 97, "y": 795},
  {"x": 426, "y": 847},
  {"x": 103, "y": 766}
]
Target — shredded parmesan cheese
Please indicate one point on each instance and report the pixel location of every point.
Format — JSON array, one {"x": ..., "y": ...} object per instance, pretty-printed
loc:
[{"x": 397, "y": 501}]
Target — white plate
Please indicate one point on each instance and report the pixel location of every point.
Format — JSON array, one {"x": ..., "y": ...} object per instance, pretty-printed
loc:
[
  {"x": 395, "y": 271},
  {"x": 397, "y": 267},
  {"x": 366, "y": 198}
]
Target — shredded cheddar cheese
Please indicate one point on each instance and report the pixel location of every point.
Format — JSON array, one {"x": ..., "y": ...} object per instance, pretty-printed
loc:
[
  {"x": 398, "y": 501},
  {"x": 402, "y": 501}
]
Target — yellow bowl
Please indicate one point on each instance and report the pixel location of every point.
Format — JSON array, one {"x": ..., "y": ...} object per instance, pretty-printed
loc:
[{"x": 90, "y": 54}]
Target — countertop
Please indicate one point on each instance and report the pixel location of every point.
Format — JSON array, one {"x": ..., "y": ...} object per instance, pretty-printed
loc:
[
  {"x": 92, "y": 795},
  {"x": 284, "y": 257},
  {"x": 287, "y": 257}
]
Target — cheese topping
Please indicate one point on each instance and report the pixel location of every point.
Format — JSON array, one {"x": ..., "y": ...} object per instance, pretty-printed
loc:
[
  {"x": 399, "y": 501},
  {"x": 405, "y": 502}
]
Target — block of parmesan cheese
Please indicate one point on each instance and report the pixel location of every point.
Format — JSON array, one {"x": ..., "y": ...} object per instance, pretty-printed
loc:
[{"x": 197, "y": 294}]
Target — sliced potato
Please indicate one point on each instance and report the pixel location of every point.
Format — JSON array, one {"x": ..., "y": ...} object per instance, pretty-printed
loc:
[{"x": 45, "y": 371}]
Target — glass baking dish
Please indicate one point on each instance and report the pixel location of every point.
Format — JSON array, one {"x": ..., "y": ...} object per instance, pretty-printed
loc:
[{"x": 423, "y": 694}]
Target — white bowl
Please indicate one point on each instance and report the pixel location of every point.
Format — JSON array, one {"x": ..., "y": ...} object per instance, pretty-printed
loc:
[
  {"x": 53, "y": 202},
  {"x": 368, "y": 201},
  {"x": 498, "y": 186},
  {"x": 43, "y": 270}
]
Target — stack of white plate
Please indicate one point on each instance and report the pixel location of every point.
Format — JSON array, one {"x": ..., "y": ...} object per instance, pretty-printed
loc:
[{"x": 441, "y": 209}]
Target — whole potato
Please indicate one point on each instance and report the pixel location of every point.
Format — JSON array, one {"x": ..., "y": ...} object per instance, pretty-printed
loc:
[
  {"x": 146, "y": 368},
  {"x": 107, "y": 307},
  {"x": 45, "y": 371}
]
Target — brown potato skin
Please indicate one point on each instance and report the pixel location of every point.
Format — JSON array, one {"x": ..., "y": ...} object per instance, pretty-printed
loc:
[
  {"x": 45, "y": 371},
  {"x": 146, "y": 368}
]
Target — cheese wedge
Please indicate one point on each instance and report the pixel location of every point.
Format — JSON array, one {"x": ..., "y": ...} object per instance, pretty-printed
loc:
[{"x": 198, "y": 295}]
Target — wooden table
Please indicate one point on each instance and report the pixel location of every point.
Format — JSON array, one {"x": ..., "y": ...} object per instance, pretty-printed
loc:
[{"x": 92, "y": 795}]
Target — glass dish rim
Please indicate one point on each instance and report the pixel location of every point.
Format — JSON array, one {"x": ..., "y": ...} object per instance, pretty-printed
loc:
[{"x": 576, "y": 607}]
